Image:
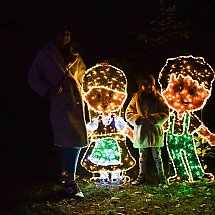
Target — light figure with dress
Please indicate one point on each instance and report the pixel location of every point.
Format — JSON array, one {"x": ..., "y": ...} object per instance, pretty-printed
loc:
[{"x": 107, "y": 156}]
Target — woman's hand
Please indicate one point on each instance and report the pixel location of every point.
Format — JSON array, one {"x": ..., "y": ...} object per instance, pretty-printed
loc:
[{"x": 56, "y": 90}]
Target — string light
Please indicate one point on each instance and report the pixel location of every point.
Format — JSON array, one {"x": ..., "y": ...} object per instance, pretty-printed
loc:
[
  {"x": 186, "y": 84},
  {"x": 107, "y": 156}
]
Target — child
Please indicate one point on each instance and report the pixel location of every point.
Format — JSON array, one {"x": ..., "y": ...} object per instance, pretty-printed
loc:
[{"x": 147, "y": 112}]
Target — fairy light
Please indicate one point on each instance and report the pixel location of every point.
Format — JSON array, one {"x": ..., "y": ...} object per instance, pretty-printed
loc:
[
  {"x": 107, "y": 156},
  {"x": 186, "y": 84}
]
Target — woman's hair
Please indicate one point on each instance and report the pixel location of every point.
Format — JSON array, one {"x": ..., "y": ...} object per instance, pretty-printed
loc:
[
  {"x": 61, "y": 27},
  {"x": 195, "y": 67}
]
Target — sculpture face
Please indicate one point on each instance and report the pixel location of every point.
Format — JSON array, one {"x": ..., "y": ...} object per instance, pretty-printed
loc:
[
  {"x": 185, "y": 94},
  {"x": 105, "y": 100}
]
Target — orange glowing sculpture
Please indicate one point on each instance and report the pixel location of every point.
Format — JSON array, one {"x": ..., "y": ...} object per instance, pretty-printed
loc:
[{"x": 186, "y": 84}]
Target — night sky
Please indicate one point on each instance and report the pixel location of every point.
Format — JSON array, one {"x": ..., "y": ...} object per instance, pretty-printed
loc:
[{"x": 101, "y": 30}]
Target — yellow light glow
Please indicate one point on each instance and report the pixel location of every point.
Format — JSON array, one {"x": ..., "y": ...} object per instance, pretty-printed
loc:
[{"x": 105, "y": 91}]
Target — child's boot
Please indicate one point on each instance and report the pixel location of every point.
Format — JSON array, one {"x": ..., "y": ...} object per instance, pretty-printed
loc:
[{"x": 141, "y": 179}]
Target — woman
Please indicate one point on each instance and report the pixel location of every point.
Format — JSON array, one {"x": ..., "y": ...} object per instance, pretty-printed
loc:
[{"x": 56, "y": 73}]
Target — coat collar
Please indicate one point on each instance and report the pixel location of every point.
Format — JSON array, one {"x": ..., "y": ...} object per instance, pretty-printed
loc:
[{"x": 53, "y": 53}]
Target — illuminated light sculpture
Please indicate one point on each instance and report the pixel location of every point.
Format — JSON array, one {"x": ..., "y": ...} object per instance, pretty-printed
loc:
[
  {"x": 107, "y": 156},
  {"x": 186, "y": 84}
]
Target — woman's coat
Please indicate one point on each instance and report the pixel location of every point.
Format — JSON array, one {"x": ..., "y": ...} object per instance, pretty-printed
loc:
[
  {"x": 66, "y": 108},
  {"x": 147, "y": 135}
]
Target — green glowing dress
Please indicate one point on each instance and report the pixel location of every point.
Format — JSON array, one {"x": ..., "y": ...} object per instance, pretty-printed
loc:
[{"x": 108, "y": 150}]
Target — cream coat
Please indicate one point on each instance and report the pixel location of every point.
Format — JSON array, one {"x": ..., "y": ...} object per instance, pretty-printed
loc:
[
  {"x": 67, "y": 108},
  {"x": 146, "y": 135}
]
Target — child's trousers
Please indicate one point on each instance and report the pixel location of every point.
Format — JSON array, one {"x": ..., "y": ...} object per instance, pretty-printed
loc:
[{"x": 143, "y": 156}]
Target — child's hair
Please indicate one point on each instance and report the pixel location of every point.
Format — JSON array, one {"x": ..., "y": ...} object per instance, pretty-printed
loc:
[
  {"x": 195, "y": 67},
  {"x": 145, "y": 77}
]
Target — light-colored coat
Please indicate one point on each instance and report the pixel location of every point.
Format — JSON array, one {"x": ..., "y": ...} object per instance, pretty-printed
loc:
[
  {"x": 147, "y": 135},
  {"x": 67, "y": 108}
]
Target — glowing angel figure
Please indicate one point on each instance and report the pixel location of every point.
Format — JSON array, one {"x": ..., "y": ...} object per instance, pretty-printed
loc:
[
  {"x": 107, "y": 157},
  {"x": 186, "y": 84}
]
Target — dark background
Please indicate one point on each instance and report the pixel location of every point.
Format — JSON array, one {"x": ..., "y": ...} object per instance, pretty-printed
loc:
[{"x": 133, "y": 35}]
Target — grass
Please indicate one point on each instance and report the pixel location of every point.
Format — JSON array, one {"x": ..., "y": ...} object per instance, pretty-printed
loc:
[
  {"x": 178, "y": 198},
  {"x": 31, "y": 189}
]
